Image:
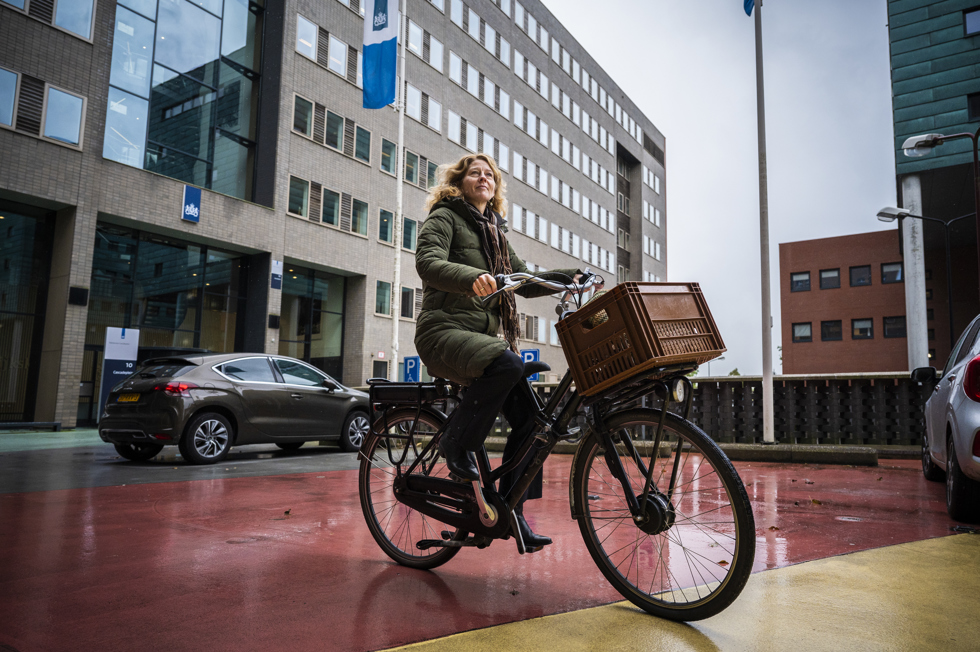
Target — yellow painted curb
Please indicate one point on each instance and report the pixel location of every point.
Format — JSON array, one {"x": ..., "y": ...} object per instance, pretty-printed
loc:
[{"x": 915, "y": 596}]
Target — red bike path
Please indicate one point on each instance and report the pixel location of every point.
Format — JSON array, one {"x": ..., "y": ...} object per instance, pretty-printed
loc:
[{"x": 286, "y": 562}]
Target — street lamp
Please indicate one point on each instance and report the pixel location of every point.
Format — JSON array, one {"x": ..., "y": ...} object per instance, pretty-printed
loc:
[
  {"x": 921, "y": 145},
  {"x": 890, "y": 214},
  {"x": 718, "y": 359}
]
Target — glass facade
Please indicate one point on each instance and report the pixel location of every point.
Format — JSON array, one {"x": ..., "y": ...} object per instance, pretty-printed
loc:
[
  {"x": 184, "y": 88},
  {"x": 311, "y": 322},
  {"x": 179, "y": 294},
  {"x": 25, "y": 264}
]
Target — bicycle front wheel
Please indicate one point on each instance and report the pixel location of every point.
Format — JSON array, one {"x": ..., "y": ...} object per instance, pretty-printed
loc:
[
  {"x": 396, "y": 527},
  {"x": 693, "y": 554}
]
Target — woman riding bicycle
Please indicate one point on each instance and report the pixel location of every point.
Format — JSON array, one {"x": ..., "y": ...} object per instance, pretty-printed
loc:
[{"x": 461, "y": 247}]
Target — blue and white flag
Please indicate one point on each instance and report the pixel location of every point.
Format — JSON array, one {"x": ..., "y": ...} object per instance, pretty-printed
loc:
[
  {"x": 380, "y": 52},
  {"x": 748, "y": 5}
]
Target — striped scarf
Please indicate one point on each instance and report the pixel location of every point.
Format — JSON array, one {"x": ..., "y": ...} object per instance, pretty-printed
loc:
[{"x": 494, "y": 246}]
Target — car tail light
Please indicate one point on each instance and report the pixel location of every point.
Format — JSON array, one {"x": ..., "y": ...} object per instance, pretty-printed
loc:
[
  {"x": 162, "y": 437},
  {"x": 173, "y": 388},
  {"x": 971, "y": 382}
]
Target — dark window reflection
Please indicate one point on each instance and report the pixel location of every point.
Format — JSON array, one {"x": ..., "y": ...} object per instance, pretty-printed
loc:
[{"x": 311, "y": 325}]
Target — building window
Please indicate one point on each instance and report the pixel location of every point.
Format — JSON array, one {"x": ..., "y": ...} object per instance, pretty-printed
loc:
[
  {"x": 894, "y": 326},
  {"x": 861, "y": 275},
  {"x": 63, "y": 116},
  {"x": 362, "y": 145},
  {"x": 435, "y": 115},
  {"x": 75, "y": 16},
  {"x": 973, "y": 106},
  {"x": 359, "y": 217},
  {"x": 829, "y": 279},
  {"x": 799, "y": 282},
  {"x": 306, "y": 33},
  {"x": 382, "y": 298},
  {"x": 930, "y": 314},
  {"x": 303, "y": 116},
  {"x": 862, "y": 329},
  {"x": 335, "y": 131},
  {"x": 931, "y": 334},
  {"x": 8, "y": 93},
  {"x": 831, "y": 331},
  {"x": 388, "y": 153},
  {"x": 338, "y": 56},
  {"x": 803, "y": 332},
  {"x": 412, "y": 168},
  {"x": 971, "y": 21},
  {"x": 928, "y": 294},
  {"x": 331, "y": 207},
  {"x": 408, "y": 303},
  {"x": 408, "y": 234},
  {"x": 891, "y": 272},
  {"x": 386, "y": 220},
  {"x": 432, "y": 176},
  {"x": 299, "y": 197}
]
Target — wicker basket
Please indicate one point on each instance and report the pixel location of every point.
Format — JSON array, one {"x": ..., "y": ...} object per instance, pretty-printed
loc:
[{"x": 648, "y": 325}]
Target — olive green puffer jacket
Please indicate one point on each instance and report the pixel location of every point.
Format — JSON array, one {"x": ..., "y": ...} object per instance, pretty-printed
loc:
[{"x": 455, "y": 335}]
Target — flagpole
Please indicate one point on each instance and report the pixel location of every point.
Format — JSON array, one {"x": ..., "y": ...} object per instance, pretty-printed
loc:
[
  {"x": 396, "y": 290},
  {"x": 768, "y": 436}
]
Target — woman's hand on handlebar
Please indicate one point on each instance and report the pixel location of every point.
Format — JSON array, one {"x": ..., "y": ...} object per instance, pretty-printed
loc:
[{"x": 484, "y": 285}]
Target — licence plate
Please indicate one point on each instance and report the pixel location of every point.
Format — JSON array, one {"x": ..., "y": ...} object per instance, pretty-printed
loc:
[{"x": 128, "y": 398}]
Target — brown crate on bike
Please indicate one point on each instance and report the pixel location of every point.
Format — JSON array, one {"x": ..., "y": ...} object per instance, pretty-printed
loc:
[{"x": 649, "y": 325}]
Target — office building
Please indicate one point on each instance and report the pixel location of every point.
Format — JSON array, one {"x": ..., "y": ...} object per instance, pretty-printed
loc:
[{"x": 114, "y": 115}]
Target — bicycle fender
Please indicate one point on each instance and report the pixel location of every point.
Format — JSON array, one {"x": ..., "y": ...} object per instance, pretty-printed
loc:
[{"x": 576, "y": 508}]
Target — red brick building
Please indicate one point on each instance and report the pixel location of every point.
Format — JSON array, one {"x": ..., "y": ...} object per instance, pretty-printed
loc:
[{"x": 843, "y": 304}]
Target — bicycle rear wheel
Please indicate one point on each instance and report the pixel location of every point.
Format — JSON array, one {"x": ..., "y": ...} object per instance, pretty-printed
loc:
[
  {"x": 693, "y": 559},
  {"x": 397, "y": 527}
]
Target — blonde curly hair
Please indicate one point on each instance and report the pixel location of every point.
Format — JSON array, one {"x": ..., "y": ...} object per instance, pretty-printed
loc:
[{"x": 450, "y": 180}]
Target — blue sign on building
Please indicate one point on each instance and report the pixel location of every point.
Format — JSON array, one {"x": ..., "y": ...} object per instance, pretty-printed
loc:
[
  {"x": 119, "y": 361},
  {"x": 413, "y": 369},
  {"x": 276, "y": 282},
  {"x": 191, "y": 211},
  {"x": 531, "y": 355}
]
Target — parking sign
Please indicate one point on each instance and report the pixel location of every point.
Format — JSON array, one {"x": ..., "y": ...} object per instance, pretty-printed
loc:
[
  {"x": 413, "y": 368},
  {"x": 531, "y": 355}
]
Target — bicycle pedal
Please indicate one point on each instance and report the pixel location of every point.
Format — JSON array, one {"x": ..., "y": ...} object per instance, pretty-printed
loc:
[{"x": 425, "y": 544}]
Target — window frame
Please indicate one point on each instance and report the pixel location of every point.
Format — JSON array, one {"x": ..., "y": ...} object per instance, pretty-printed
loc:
[
  {"x": 820, "y": 279},
  {"x": 347, "y": 48},
  {"x": 411, "y": 304},
  {"x": 901, "y": 270},
  {"x": 340, "y": 197},
  {"x": 326, "y": 130},
  {"x": 315, "y": 44},
  {"x": 358, "y": 128},
  {"x": 851, "y": 276},
  {"x": 792, "y": 282},
  {"x": 840, "y": 327},
  {"x": 393, "y": 157},
  {"x": 13, "y": 109},
  {"x": 312, "y": 118},
  {"x": 799, "y": 340},
  {"x": 391, "y": 227},
  {"x": 884, "y": 327},
  {"x": 288, "y": 190},
  {"x": 415, "y": 234},
  {"x": 44, "y": 117},
  {"x": 968, "y": 12},
  {"x": 377, "y": 288},
  {"x": 871, "y": 330}
]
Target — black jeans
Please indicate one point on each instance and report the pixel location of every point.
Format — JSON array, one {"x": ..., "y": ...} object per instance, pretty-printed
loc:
[{"x": 501, "y": 388}]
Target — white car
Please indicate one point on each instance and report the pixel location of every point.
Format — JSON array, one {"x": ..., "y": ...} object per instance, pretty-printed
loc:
[{"x": 951, "y": 445}]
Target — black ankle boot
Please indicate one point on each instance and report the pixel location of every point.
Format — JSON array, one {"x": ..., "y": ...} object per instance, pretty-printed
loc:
[
  {"x": 459, "y": 461},
  {"x": 532, "y": 541}
]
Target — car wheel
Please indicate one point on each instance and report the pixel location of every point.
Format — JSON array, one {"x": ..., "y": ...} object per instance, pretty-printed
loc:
[
  {"x": 138, "y": 452},
  {"x": 290, "y": 445},
  {"x": 930, "y": 469},
  {"x": 356, "y": 428},
  {"x": 962, "y": 493},
  {"x": 207, "y": 439}
]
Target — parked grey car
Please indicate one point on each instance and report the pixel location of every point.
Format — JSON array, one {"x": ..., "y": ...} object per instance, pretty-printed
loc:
[
  {"x": 951, "y": 445},
  {"x": 205, "y": 404}
]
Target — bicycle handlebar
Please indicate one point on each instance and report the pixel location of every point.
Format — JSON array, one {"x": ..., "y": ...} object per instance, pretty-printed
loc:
[{"x": 511, "y": 282}]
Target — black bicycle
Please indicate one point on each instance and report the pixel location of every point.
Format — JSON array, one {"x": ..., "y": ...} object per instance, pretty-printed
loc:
[{"x": 662, "y": 511}]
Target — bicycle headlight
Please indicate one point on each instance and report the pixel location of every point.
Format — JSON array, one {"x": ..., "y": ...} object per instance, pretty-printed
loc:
[{"x": 678, "y": 391}]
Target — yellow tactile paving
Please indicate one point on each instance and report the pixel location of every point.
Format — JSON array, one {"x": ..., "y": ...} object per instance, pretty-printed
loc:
[{"x": 917, "y": 596}]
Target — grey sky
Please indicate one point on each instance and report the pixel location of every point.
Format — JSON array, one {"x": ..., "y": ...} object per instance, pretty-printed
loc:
[{"x": 690, "y": 67}]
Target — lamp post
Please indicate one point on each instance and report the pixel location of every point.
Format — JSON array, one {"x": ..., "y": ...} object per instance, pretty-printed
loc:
[
  {"x": 890, "y": 214},
  {"x": 718, "y": 359},
  {"x": 922, "y": 145}
]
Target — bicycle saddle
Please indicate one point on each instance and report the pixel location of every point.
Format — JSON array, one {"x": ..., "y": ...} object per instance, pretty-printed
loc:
[{"x": 535, "y": 367}]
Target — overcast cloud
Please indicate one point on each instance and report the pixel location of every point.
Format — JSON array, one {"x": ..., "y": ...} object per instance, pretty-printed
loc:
[{"x": 690, "y": 67}]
